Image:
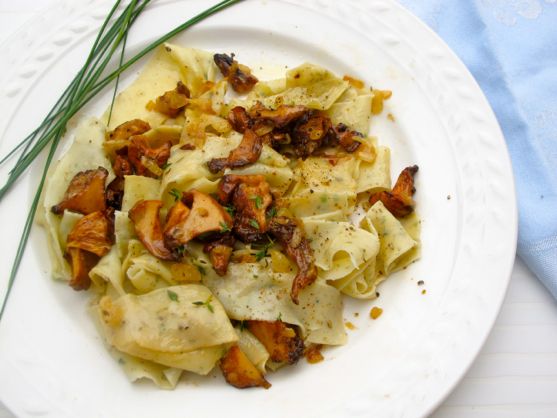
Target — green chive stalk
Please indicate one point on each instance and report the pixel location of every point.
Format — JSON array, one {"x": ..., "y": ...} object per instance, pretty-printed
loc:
[{"x": 84, "y": 87}]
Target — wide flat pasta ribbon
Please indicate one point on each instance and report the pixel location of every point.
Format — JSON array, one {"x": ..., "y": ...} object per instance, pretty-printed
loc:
[{"x": 179, "y": 326}]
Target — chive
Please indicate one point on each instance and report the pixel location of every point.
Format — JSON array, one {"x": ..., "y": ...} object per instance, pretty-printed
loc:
[
  {"x": 27, "y": 228},
  {"x": 58, "y": 109},
  {"x": 57, "y": 133},
  {"x": 260, "y": 255},
  {"x": 176, "y": 194},
  {"x": 207, "y": 304},
  {"x": 224, "y": 227},
  {"x": 258, "y": 201},
  {"x": 230, "y": 209},
  {"x": 272, "y": 213},
  {"x": 67, "y": 104},
  {"x": 87, "y": 81},
  {"x": 173, "y": 296},
  {"x": 84, "y": 87},
  {"x": 120, "y": 62},
  {"x": 254, "y": 223}
]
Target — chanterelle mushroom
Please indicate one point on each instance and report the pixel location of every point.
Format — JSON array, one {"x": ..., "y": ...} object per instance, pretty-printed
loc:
[
  {"x": 251, "y": 196},
  {"x": 279, "y": 117},
  {"x": 205, "y": 215},
  {"x": 89, "y": 239},
  {"x": 119, "y": 138},
  {"x": 128, "y": 129},
  {"x": 220, "y": 252},
  {"x": 399, "y": 202},
  {"x": 239, "y": 76},
  {"x": 247, "y": 152},
  {"x": 85, "y": 193},
  {"x": 347, "y": 137},
  {"x": 291, "y": 236},
  {"x": 81, "y": 263},
  {"x": 280, "y": 340},
  {"x": 311, "y": 132},
  {"x": 239, "y": 371},
  {"x": 172, "y": 102},
  {"x": 239, "y": 119},
  {"x": 145, "y": 160},
  {"x": 145, "y": 217}
]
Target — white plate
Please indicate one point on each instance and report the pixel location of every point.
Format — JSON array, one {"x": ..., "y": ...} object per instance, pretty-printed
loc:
[{"x": 52, "y": 362}]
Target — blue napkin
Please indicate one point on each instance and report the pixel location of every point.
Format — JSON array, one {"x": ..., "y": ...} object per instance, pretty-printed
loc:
[{"x": 510, "y": 47}]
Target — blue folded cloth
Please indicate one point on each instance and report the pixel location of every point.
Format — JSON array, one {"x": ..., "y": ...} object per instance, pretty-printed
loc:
[{"x": 510, "y": 47}]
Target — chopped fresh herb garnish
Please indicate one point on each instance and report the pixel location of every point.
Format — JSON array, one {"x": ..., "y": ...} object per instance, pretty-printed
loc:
[
  {"x": 230, "y": 209},
  {"x": 176, "y": 194},
  {"x": 200, "y": 269},
  {"x": 243, "y": 325},
  {"x": 224, "y": 227},
  {"x": 279, "y": 317},
  {"x": 258, "y": 201},
  {"x": 166, "y": 165},
  {"x": 207, "y": 304},
  {"x": 272, "y": 212},
  {"x": 254, "y": 223},
  {"x": 172, "y": 295},
  {"x": 261, "y": 254}
]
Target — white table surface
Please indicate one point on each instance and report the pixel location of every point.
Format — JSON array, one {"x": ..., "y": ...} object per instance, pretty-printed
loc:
[{"x": 515, "y": 374}]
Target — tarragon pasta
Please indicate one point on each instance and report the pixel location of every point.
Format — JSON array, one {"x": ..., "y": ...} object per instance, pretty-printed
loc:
[{"x": 220, "y": 220}]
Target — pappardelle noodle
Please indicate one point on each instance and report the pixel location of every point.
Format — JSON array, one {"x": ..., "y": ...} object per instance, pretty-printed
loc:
[{"x": 219, "y": 220}]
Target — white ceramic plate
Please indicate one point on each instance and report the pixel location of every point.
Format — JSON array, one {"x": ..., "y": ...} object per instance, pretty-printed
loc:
[{"x": 52, "y": 362}]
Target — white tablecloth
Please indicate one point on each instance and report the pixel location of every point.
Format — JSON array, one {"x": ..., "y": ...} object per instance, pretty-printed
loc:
[{"x": 515, "y": 374}]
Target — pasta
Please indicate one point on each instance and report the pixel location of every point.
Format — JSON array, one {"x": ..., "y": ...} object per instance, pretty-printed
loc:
[{"x": 223, "y": 229}]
